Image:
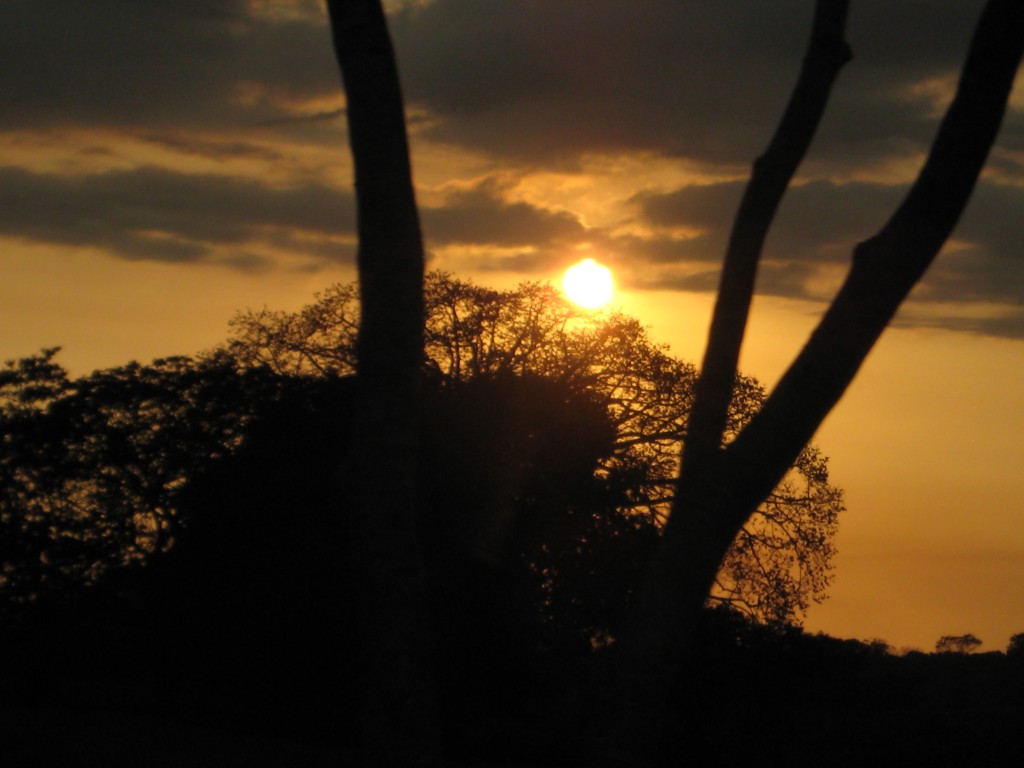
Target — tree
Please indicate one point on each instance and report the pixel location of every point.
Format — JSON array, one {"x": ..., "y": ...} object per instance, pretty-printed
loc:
[
  {"x": 1015, "y": 648},
  {"x": 957, "y": 644},
  {"x": 90, "y": 468},
  {"x": 780, "y": 561},
  {"x": 721, "y": 487},
  {"x": 527, "y": 556},
  {"x": 201, "y": 489}
]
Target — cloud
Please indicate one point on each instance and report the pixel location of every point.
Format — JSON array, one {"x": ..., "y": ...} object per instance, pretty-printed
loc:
[
  {"x": 218, "y": 150},
  {"x": 532, "y": 83},
  {"x": 158, "y": 214},
  {"x": 550, "y": 82},
  {"x": 234, "y": 113},
  {"x": 547, "y": 82},
  {"x": 821, "y": 222},
  {"x": 155, "y": 64},
  {"x": 481, "y": 216},
  {"x": 1009, "y": 324},
  {"x": 682, "y": 235}
]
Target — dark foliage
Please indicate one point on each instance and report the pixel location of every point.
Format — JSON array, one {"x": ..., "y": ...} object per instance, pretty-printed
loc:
[
  {"x": 245, "y": 595},
  {"x": 1015, "y": 649},
  {"x": 790, "y": 698},
  {"x": 957, "y": 644},
  {"x": 240, "y": 619},
  {"x": 780, "y": 562},
  {"x": 90, "y": 468}
]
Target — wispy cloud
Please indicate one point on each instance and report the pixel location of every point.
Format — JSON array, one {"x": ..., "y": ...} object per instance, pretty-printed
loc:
[{"x": 154, "y": 213}]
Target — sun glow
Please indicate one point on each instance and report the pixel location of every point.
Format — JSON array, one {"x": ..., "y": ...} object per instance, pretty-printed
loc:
[{"x": 588, "y": 284}]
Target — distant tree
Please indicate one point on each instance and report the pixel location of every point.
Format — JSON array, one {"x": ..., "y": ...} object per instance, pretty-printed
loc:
[
  {"x": 881, "y": 647},
  {"x": 780, "y": 561},
  {"x": 957, "y": 644},
  {"x": 1016, "y": 646}
]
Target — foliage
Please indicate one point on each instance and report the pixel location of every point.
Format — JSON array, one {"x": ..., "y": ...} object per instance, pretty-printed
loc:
[
  {"x": 221, "y": 480},
  {"x": 90, "y": 467},
  {"x": 957, "y": 644},
  {"x": 553, "y": 438},
  {"x": 102, "y": 472},
  {"x": 780, "y": 561},
  {"x": 1015, "y": 648}
]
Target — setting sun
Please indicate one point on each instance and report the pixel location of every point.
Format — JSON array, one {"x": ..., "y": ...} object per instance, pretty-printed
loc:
[{"x": 588, "y": 284}]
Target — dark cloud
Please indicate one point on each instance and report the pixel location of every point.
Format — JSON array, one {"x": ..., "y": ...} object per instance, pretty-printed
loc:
[
  {"x": 527, "y": 262},
  {"x": 548, "y": 81},
  {"x": 153, "y": 213},
  {"x": 1007, "y": 326},
  {"x": 535, "y": 82},
  {"x": 480, "y": 216},
  {"x": 818, "y": 220},
  {"x": 154, "y": 63},
  {"x": 219, "y": 150},
  {"x": 820, "y": 223},
  {"x": 774, "y": 279},
  {"x": 545, "y": 82},
  {"x": 636, "y": 250},
  {"x": 874, "y": 112}
]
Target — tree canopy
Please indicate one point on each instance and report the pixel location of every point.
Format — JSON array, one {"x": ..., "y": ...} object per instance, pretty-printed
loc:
[
  {"x": 91, "y": 468},
  {"x": 555, "y": 431},
  {"x": 968, "y": 643},
  {"x": 780, "y": 562},
  {"x": 1015, "y": 647}
]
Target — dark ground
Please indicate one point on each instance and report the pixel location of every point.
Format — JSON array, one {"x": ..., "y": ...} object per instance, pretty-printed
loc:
[{"x": 91, "y": 690}]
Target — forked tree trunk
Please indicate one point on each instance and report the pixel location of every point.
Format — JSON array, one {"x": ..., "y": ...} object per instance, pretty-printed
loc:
[{"x": 721, "y": 488}]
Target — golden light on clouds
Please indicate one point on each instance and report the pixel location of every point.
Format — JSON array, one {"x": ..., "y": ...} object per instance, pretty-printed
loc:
[
  {"x": 598, "y": 191},
  {"x": 588, "y": 284}
]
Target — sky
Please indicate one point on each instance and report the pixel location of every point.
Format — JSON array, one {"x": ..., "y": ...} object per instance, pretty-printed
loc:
[{"x": 165, "y": 165}]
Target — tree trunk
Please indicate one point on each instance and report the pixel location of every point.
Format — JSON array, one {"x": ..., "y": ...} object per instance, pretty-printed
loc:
[
  {"x": 379, "y": 480},
  {"x": 720, "y": 488}
]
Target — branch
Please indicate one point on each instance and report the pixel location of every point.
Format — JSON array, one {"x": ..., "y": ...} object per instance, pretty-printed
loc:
[
  {"x": 887, "y": 266},
  {"x": 721, "y": 488},
  {"x": 827, "y": 52}
]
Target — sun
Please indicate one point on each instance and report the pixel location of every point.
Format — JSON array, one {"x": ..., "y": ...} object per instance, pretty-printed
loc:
[{"x": 588, "y": 284}]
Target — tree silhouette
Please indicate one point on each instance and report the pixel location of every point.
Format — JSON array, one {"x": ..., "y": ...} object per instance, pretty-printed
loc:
[
  {"x": 380, "y": 474},
  {"x": 957, "y": 644},
  {"x": 780, "y": 561},
  {"x": 1015, "y": 648},
  {"x": 90, "y": 467},
  {"x": 719, "y": 488}
]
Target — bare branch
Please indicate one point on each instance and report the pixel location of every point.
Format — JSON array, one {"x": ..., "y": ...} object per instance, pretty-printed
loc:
[
  {"x": 887, "y": 266},
  {"x": 826, "y": 54}
]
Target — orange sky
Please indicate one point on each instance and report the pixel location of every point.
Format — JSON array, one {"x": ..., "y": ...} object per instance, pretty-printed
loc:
[
  {"x": 927, "y": 446},
  {"x": 141, "y": 206}
]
